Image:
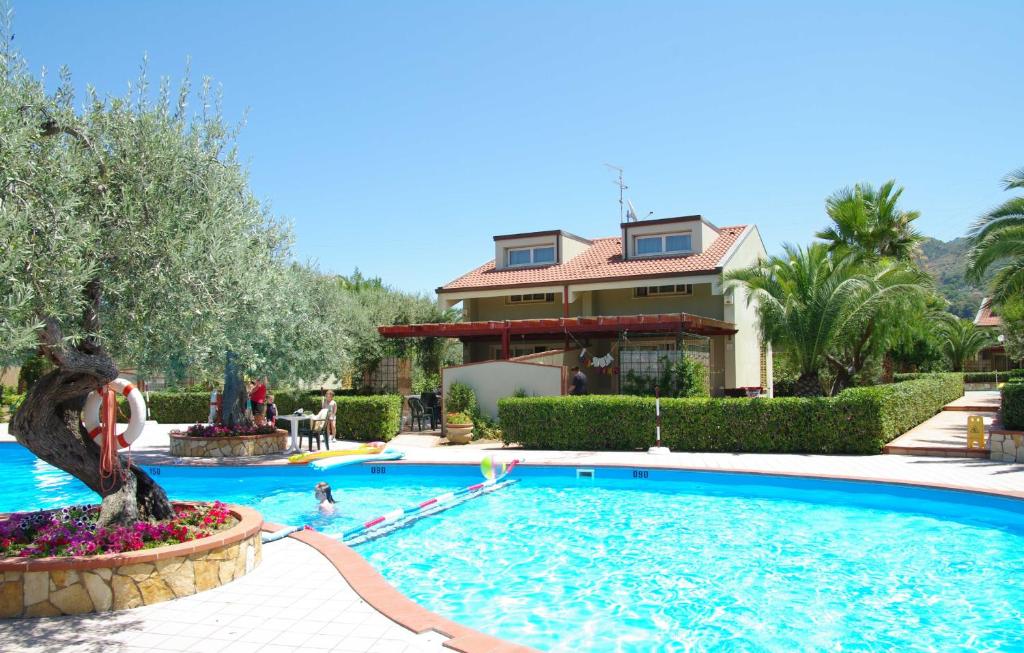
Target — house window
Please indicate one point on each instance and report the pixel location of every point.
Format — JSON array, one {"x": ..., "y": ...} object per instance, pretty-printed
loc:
[
  {"x": 531, "y": 256},
  {"x": 534, "y": 298},
  {"x": 658, "y": 291},
  {"x": 662, "y": 244}
]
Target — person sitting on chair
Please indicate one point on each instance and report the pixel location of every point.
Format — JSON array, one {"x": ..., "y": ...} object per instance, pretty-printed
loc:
[{"x": 324, "y": 496}]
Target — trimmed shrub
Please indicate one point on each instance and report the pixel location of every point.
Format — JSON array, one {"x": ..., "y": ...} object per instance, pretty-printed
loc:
[
  {"x": 179, "y": 407},
  {"x": 1013, "y": 405},
  {"x": 969, "y": 377},
  {"x": 175, "y": 407},
  {"x": 858, "y": 421},
  {"x": 366, "y": 419},
  {"x": 289, "y": 401},
  {"x": 460, "y": 399}
]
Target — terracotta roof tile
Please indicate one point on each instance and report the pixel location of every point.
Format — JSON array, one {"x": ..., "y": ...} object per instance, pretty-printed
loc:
[
  {"x": 986, "y": 317},
  {"x": 602, "y": 260}
]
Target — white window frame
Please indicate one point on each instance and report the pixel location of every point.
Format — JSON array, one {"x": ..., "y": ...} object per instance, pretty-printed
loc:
[
  {"x": 532, "y": 251},
  {"x": 544, "y": 298},
  {"x": 678, "y": 290},
  {"x": 664, "y": 237}
]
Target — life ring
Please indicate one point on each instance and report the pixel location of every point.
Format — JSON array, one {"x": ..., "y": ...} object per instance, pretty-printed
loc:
[{"x": 136, "y": 404}]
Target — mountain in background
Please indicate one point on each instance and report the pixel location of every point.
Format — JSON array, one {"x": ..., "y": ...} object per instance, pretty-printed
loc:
[{"x": 946, "y": 262}]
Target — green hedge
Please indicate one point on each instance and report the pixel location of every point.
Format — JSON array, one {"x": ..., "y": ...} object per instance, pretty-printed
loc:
[
  {"x": 969, "y": 377},
  {"x": 1013, "y": 405},
  {"x": 179, "y": 407},
  {"x": 858, "y": 421},
  {"x": 169, "y": 407},
  {"x": 377, "y": 417}
]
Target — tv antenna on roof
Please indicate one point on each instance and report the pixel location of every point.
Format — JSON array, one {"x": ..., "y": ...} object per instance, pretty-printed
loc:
[{"x": 622, "y": 187}]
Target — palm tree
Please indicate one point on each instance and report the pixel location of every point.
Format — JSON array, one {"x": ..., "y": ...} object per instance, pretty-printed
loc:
[
  {"x": 869, "y": 223},
  {"x": 829, "y": 311},
  {"x": 960, "y": 341},
  {"x": 999, "y": 236}
]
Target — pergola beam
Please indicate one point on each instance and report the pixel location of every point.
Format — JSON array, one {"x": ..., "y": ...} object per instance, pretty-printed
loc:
[{"x": 586, "y": 326}]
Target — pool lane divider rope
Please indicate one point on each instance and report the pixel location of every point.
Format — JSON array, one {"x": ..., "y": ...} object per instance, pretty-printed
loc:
[{"x": 432, "y": 505}]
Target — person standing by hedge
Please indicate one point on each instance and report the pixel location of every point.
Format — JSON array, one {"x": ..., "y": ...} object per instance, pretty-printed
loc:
[
  {"x": 579, "y": 382},
  {"x": 332, "y": 413}
]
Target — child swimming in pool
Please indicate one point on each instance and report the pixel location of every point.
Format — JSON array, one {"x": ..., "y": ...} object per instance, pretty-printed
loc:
[{"x": 326, "y": 499}]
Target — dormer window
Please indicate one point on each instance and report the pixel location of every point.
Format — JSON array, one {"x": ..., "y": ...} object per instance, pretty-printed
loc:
[
  {"x": 531, "y": 256},
  {"x": 661, "y": 244}
]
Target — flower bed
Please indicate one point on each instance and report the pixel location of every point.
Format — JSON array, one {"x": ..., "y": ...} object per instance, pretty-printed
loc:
[
  {"x": 208, "y": 441},
  {"x": 72, "y": 531},
  {"x": 98, "y": 570},
  {"x": 217, "y": 431}
]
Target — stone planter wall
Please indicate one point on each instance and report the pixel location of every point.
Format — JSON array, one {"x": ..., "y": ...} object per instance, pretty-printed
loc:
[
  {"x": 1006, "y": 446},
  {"x": 183, "y": 446},
  {"x": 46, "y": 587}
]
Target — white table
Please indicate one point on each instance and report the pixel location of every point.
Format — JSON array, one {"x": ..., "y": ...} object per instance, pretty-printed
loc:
[{"x": 293, "y": 447}]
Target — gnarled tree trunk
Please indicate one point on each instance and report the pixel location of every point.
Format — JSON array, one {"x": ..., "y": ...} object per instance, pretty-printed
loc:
[
  {"x": 235, "y": 396},
  {"x": 48, "y": 423}
]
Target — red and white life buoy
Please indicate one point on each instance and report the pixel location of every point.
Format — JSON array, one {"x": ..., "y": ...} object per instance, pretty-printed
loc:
[{"x": 137, "y": 419}]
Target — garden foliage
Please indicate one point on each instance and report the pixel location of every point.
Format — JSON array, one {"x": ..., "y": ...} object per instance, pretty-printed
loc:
[
  {"x": 72, "y": 531},
  {"x": 684, "y": 377},
  {"x": 1013, "y": 404},
  {"x": 857, "y": 421},
  {"x": 377, "y": 417},
  {"x": 460, "y": 399},
  {"x": 969, "y": 377}
]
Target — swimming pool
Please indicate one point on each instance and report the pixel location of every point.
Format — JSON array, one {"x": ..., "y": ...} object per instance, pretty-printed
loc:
[{"x": 644, "y": 560}]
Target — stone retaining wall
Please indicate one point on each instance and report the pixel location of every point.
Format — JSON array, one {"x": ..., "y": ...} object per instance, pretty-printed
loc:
[
  {"x": 236, "y": 445},
  {"x": 1006, "y": 446},
  {"x": 47, "y": 587}
]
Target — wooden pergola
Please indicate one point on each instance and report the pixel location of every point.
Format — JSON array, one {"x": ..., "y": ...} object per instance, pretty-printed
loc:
[{"x": 598, "y": 326}]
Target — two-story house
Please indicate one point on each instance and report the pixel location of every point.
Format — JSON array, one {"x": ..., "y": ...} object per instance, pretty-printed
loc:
[{"x": 655, "y": 286}]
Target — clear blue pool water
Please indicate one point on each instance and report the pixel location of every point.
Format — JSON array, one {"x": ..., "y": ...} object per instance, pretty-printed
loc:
[{"x": 647, "y": 560}]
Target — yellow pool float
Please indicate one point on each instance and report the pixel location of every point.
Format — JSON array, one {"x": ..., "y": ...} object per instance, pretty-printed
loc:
[{"x": 364, "y": 450}]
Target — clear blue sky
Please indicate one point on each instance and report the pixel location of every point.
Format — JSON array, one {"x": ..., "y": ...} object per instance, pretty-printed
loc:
[{"x": 399, "y": 137}]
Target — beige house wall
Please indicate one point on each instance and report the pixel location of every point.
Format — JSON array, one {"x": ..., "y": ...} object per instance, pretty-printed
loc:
[
  {"x": 621, "y": 301},
  {"x": 743, "y": 350},
  {"x": 496, "y": 380},
  {"x": 615, "y": 301}
]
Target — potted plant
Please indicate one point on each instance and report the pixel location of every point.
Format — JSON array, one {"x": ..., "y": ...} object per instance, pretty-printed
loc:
[{"x": 459, "y": 427}]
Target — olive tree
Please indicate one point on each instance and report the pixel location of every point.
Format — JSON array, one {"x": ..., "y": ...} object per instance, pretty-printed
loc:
[{"x": 129, "y": 233}]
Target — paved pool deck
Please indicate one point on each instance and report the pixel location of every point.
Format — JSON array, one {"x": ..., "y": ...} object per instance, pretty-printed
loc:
[
  {"x": 296, "y": 601},
  {"x": 945, "y": 434}
]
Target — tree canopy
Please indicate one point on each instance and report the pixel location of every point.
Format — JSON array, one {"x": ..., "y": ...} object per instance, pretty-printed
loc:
[
  {"x": 869, "y": 224},
  {"x": 831, "y": 313},
  {"x": 998, "y": 237}
]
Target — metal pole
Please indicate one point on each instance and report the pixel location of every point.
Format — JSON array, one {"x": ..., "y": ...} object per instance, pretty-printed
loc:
[
  {"x": 657, "y": 449},
  {"x": 657, "y": 416}
]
